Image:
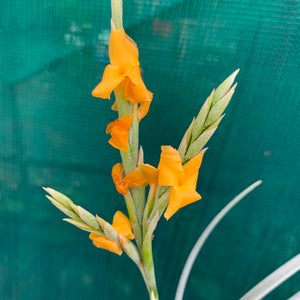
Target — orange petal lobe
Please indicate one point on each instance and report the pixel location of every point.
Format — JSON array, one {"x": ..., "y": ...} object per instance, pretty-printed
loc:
[
  {"x": 150, "y": 173},
  {"x": 117, "y": 174},
  {"x": 111, "y": 79},
  {"x": 134, "y": 178},
  {"x": 122, "y": 225},
  {"x": 135, "y": 90},
  {"x": 105, "y": 243},
  {"x": 170, "y": 169},
  {"x": 122, "y": 182},
  {"x": 119, "y": 130},
  {"x": 123, "y": 50},
  {"x": 180, "y": 197},
  {"x": 191, "y": 170}
]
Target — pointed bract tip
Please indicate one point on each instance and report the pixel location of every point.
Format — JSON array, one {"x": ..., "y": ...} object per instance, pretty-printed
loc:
[{"x": 49, "y": 198}]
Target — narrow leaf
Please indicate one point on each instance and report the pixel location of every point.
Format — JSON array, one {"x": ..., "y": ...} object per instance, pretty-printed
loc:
[
  {"x": 280, "y": 275},
  {"x": 295, "y": 296},
  {"x": 203, "y": 237}
]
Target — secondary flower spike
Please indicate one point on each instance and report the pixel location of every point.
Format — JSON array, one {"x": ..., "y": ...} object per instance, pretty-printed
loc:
[
  {"x": 122, "y": 226},
  {"x": 124, "y": 73},
  {"x": 119, "y": 130}
]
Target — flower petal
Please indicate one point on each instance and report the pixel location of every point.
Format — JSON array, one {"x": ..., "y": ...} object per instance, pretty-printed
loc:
[
  {"x": 180, "y": 197},
  {"x": 134, "y": 178},
  {"x": 122, "y": 225},
  {"x": 111, "y": 79},
  {"x": 191, "y": 170},
  {"x": 117, "y": 174},
  {"x": 119, "y": 130},
  {"x": 123, "y": 51},
  {"x": 143, "y": 109},
  {"x": 170, "y": 169},
  {"x": 150, "y": 173},
  {"x": 136, "y": 90},
  {"x": 105, "y": 243}
]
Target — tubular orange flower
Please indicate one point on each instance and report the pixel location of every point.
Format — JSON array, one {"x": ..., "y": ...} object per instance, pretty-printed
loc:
[
  {"x": 122, "y": 182},
  {"x": 124, "y": 73},
  {"x": 122, "y": 226},
  {"x": 183, "y": 182},
  {"x": 119, "y": 130}
]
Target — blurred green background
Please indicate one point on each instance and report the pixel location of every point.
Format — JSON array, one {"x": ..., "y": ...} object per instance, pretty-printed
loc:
[{"x": 52, "y": 133}]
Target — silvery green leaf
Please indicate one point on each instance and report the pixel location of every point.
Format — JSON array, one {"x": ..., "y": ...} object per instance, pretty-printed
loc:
[
  {"x": 200, "y": 120},
  {"x": 219, "y": 108},
  {"x": 224, "y": 87},
  {"x": 276, "y": 278},
  {"x": 203, "y": 237},
  {"x": 64, "y": 200},
  {"x": 87, "y": 217},
  {"x": 65, "y": 210}
]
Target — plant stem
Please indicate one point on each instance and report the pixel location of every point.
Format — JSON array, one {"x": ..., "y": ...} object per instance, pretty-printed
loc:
[
  {"x": 116, "y": 13},
  {"x": 147, "y": 258},
  {"x": 135, "y": 198}
]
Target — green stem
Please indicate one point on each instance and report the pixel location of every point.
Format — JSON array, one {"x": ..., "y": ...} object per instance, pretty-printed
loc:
[
  {"x": 133, "y": 218},
  {"x": 147, "y": 258},
  {"x": 149, "y": 206},
  {"x": 116, "y": 13}
]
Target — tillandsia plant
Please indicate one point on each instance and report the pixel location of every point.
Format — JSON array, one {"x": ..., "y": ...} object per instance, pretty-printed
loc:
[{"x": 172, "y": 185}]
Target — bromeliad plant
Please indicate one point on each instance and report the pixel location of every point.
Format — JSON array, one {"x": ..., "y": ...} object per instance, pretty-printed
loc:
[{"x": 172, "y": 185}]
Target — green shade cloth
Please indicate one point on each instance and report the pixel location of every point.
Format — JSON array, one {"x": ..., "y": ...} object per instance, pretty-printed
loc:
[{"x": 52, "y": 133}]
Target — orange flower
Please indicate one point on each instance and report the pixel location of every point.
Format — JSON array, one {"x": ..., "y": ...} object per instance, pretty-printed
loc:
[
  {"x": 183, "y": 179},
  {"x": 122, "y": 182},
  {"x": 122, "y": 226},
  {"x": 124, "y": 73},
  {"x": 119, "y": 130}
]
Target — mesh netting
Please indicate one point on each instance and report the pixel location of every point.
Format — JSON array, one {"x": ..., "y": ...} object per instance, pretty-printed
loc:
[{"x": 52, "y": 134}]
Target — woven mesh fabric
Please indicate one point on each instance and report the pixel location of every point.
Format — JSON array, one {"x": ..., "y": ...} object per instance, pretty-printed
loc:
[{"x": 52, "y": 133}]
